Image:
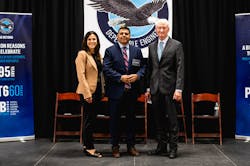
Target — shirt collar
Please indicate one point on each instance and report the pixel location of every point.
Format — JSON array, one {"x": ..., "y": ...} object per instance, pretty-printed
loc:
[
  {"x": 121, "y": 45},
  {"x": 164, "y": 41}
]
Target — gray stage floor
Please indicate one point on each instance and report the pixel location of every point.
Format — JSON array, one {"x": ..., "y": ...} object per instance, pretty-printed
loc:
[{"x": 43, "y": 152}]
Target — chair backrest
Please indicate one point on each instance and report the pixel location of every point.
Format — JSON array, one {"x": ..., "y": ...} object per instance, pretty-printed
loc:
[
  {"x": 65, "y": 98},
  {"x": 198, "y": 112},
  {"x": 141, "y": 99},
  {"x": 206, "y": 97},
  {"x": 210, "y": 98},
  {"x": 68, "y": 106},
  {"x": 68, "y": 96}
]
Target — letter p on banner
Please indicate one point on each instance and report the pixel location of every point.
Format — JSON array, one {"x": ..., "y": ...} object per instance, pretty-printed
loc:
[{"x": 247, "y": 92}]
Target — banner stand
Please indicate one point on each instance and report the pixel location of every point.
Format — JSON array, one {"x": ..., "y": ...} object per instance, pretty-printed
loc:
[
  {"x": 242, "y": 26},
  {"x": 20, "y": 138},
  {"x": 16, "y": 90}
]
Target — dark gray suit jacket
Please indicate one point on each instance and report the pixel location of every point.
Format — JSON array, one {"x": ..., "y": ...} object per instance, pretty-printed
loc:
[{"x": 168, "y": 74}]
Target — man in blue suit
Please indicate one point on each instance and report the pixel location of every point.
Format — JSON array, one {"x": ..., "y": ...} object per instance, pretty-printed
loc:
[{"x": 123, "y": 67}]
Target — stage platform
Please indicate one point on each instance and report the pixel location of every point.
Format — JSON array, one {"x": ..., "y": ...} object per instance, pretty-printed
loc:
[{"x": 43, "y": 152}]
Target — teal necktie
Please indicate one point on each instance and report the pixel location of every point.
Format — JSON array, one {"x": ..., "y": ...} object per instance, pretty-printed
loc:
[{"x": 160, "y": 49}]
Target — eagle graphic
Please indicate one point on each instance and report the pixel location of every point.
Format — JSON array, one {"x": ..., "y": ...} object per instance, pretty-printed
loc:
[
  {"x": 129, "y": 14},
  {"x": 4, "y": 25}
]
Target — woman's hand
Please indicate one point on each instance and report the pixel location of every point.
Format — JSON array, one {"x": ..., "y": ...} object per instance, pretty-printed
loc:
[{"x": 89, "y": 100}]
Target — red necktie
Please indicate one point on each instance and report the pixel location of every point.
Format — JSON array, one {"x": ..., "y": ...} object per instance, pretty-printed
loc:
[{"x": 125, "y": 57}]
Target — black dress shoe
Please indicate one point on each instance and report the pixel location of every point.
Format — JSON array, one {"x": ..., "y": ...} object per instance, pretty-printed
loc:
[
  {"x": 155, "y": 152},
  {"x": 172, "y": 154},
  {"x": 160, "y": 150}
]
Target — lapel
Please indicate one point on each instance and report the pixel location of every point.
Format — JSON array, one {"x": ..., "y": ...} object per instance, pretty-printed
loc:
[
  {"x": 131, "y": 56},
  {"x": 119, "y": 52},
  {"x": 92, "y": 61},
  {"x": 167, "y": 45},
  {"x": 155, "y": 47}
]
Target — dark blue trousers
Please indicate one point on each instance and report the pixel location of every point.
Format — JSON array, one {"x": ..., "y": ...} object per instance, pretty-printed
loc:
[{"x": 123, "y": 106}]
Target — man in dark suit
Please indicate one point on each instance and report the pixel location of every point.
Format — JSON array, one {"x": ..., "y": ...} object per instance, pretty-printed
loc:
[
  {"x": 165, "y": 79},
  {"x": 123, "y": 67}
]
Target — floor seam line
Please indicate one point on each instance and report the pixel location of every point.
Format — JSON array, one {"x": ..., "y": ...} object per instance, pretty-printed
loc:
[
  {"x": 45, "y": 155},
  {"x": 225, "y": 155}
]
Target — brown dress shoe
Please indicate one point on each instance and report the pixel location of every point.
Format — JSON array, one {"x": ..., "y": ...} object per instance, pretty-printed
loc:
[
  {"x": 115, "y": 151},
  {"x": 133, "y": 152}
]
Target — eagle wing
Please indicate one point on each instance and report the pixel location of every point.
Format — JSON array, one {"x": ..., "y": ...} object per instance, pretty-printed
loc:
[
  {"x": 4, "y": 25},
  {"x": 148, "y": 9},
  {"x": 122, "y": 8}
]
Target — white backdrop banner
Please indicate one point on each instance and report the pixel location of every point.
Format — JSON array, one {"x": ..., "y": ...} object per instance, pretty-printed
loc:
[{"x": 106, "y": 16}]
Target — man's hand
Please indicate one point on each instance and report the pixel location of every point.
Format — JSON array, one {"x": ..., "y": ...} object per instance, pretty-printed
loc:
[
  {"x": 147, "y": 95},
  {"x": 125, "y": 79},
  {"x": 129, "y": 78},
  {"x": 177, "y": 96},
  {"x": 132, "y": 78}
]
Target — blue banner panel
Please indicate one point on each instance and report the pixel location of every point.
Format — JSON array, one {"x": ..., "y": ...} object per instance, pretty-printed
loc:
[
  {"x": 16, "y": 96},
  {"x": 242, "y": 25}
]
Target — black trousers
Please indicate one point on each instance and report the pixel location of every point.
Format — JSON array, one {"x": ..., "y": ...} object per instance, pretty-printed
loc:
[
  {"x": 166, "y": 128},
  {"x": 89, "y": 120},
  {"x": 125, "y": 106}
]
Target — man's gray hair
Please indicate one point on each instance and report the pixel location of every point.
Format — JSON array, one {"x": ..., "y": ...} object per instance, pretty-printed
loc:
[{"x": 162, "y": 21}]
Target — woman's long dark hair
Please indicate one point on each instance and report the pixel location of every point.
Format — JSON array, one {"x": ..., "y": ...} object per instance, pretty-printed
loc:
[{"x": 86, "y": 48}]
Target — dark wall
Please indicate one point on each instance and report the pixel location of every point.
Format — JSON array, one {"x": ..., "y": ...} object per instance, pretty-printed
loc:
[{"x": 205, "y": 27}]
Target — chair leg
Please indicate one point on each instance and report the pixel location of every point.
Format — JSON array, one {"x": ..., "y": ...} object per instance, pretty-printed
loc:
[
  {"x": 145, "y": 120},
  {"x": 220, "y": 131},
  {"x": 192, "y": 131},
  {"x": 184, "y": 122},
  {"x": 54, "y": 137},
  {"x": 185, "y": 131}
]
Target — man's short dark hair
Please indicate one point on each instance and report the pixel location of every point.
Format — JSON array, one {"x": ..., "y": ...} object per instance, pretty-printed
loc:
[{"x": 124, "y": 27}]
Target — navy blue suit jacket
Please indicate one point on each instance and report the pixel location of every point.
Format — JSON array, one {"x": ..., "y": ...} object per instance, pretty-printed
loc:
[{"x": 114, "y": 68}]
